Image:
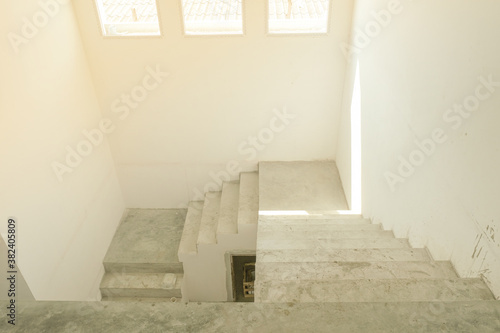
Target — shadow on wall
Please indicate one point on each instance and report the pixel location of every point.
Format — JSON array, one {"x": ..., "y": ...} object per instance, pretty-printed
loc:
[{"x": 21, "y": 291}]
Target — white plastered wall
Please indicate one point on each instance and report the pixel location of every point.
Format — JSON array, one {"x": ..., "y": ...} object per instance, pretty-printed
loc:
[
  {"x": 428, "y": 57},
  {"x": 197, "y": 125},
  {"x": 47, "y": 99}
]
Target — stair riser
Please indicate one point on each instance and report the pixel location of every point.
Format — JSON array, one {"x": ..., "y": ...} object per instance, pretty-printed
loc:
[
  {"x": 141, "y": 293},
  {"x": 143, "y": 268}
]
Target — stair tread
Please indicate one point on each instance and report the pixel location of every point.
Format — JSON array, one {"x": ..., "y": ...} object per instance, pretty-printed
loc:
[
  {"x": 372, "y": 290},
  {"x": 309, "y": 216},
  {"x": 209, "y": 219},
  {"x": 333, "y": 255},
  {"x": 325, "y": 234},
  {"x": 355, "y": 270},
  {"x": 318, "y": 227},
  {"x": 248, "y": 210},
  {"x": 228, "y": 213},
  {"x": 265, "y": 220},
  {"x": 367, "y": 243},
  {"x": 191, "y": 229}
]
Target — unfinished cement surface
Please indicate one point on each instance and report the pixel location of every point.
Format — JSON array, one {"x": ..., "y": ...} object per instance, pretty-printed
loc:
[
  {"x": 300, "y": 186},
  {"x": 147, "y": 236},
  {"x": 135, "y": 317}
]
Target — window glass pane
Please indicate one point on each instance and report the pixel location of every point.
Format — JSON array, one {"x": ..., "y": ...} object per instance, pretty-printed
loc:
[
  {"x": 205, "y": 17},
  {"x": 298, "y": 16},
  {"x": 128, "y": 17}
]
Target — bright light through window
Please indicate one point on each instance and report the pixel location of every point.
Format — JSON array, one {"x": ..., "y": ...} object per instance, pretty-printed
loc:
[
  {"x": 212, "y": 17},
  {"x": 128, "y": 17},
  {"x": 298, "y": 16}
]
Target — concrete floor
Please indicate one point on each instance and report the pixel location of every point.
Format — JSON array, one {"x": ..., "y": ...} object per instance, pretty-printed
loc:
[{"x": 130, "y": 317}]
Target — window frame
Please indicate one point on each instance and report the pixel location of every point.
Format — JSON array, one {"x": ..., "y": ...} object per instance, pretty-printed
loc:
[
  {"x": 104, "y": 33},
  {"x": 215, "y": 34},
  {"x": 298, "y": 33}
]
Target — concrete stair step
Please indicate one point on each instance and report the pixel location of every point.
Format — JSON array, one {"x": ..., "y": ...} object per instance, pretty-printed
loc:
[
  {"x": 308, "y": 216},
  {"x": 248, "y": 210},
  {"x": 311, "y": 221},
  {"x": 146, "y": 285},
  {"x": 327, "y": 244},
  {"x": 397, "y": 290},
  {"x": 335, "y": 255},
  {"x": 319, "y": 227},
  {"x": 159, "y": 316},
  {"x": 144, "y": 267},
  {"x": 324, "y": 235},
  {"x": 147, "y": 240},
  {"x": 228, "y": 212},
  {"x": 209, "y": 219},
  {"x": 187, "y": 245},
  {"x": 355, "y": 270}
]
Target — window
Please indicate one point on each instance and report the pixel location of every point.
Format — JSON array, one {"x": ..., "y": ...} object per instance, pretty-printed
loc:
[
  {"x": 212, "y": 17},
  {"x": 298, "y": 16},
  {"x": 128, "y": 17}
]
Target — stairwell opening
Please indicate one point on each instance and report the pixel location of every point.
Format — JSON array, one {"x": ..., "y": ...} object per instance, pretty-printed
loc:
[{"x": 243, "y": 277}]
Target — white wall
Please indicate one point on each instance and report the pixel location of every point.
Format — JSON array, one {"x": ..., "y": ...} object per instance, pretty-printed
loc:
[
  {"x": 46, "y": 100},
  {"x": 220, "y": 91},
  {"x": 425, "y": 60}
]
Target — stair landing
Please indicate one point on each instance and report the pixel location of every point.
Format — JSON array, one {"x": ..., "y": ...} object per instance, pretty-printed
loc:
[
  {"x": 300, "y": 186},
  {"x": 142, "y": 261},
  {"x": 148, "y": 236}
]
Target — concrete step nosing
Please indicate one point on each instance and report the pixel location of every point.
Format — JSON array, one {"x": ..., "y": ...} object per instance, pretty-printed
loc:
[
  {"x": 209, "y": 219},
  {"x": 248, "y": 209},
  {"x": 191, "y": 229},
  {"x": 228, "y": 212}
]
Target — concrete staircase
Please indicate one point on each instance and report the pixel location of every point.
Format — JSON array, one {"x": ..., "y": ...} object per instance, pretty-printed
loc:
[
  {"x": 224, "y": 223},
  {"x": 339, "y": 258},
  {"x": 141, "y": 263},
  {"x": 314, "y": 260}
]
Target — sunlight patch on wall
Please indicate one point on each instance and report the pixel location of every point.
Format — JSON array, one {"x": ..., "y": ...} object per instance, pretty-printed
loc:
[{"x": 356, "y": 144}]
